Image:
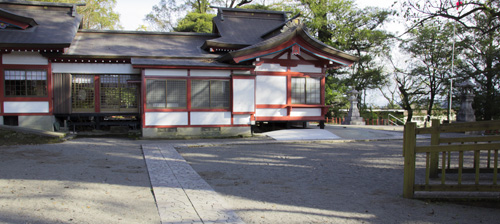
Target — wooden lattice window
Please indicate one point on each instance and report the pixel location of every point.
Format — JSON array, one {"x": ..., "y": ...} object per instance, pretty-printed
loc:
[
  {"x": 82, "y": 93},
  {"x": 306, "y": 90},
  {"x": 213, "y": 94},
  {"x": 169, "y": 94},
  {"x": 117, "y": 94},
  {"x": 25, "y": 83}
]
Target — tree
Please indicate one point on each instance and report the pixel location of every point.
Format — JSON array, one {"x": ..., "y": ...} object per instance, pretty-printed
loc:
[
  {"x": 481, "y": 57},
  {"x": 421, "y": 11},
  {"x": 478, "y": 23},
  {"x": 163, "y": 16},
  {"x": 360, "y": 34},
  {"x": 195, "y": 22},
  {"x": 97, "y": 14},
  {"x": 430, "y": 48}
]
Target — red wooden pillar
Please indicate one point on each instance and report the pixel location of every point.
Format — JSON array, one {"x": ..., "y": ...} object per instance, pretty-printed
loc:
[{"x": 97, "y": 95}]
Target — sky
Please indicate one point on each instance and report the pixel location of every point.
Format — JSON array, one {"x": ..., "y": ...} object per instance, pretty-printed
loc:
[{"x": 132, "y": 12}]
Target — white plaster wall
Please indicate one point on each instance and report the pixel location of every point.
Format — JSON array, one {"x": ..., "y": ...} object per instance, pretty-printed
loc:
[
  {"x": 270, "y": 68},
  {"x": 166, "y": 72},
  {"x": 305, "y": 56},
  {"x": 94, "y": 68},
  {"x": 305, "y": 68},
  {"x": 210, "y": 73},
  {"x": 26, "y": 107},
  {"x": 166, "y": 118},
  {"x": 24, "y": 58},
  {"x": 271, "y": 55},
  {"x": 243, "y": 95},
  {"x": 305, "y": 112},
  {"x": 242, "y": 119},
  {"x": 210, "y": 118},
  {"x": 271, "y": 90},
  {"x": 271, "y": 112}
]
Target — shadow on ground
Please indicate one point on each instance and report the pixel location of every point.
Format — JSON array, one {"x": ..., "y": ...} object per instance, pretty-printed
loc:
[{"x": 357, "y": 182}]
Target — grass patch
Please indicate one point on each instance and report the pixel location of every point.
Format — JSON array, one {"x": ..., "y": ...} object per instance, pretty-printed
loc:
[{"x": 17, "y": 138}]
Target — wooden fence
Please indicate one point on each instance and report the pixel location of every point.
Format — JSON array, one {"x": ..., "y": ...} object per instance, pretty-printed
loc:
[
  {"x": 463, "y": 164},
  {"x": 339, "y": 120}
]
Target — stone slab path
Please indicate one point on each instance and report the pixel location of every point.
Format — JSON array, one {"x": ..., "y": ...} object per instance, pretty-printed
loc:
[{"x": 181, "y": 195}]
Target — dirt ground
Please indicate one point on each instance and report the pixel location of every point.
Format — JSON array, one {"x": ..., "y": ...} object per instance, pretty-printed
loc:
[
  {"x": 17, "y": 138},
  {"x": 86, "y": 180},
  {"x": 105, "y": 180},
  {"x": 357, "y": 182}
]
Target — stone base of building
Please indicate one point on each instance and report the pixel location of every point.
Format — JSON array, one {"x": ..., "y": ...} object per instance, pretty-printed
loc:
[
  {"x": 196, "y": 132},
  {"x": 44, "y": 123}
]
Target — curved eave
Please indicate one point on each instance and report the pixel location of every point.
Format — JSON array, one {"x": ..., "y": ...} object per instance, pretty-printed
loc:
[
  {"x": 17, "y": 18},
  {"x": 215, "y": 44},
  {"x": 295, "y": 36}
]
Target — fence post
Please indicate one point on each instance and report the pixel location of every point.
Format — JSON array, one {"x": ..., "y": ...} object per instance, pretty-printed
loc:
[
  {"x": 435, "y": 155},
  {"x": 409, "y": 143}
]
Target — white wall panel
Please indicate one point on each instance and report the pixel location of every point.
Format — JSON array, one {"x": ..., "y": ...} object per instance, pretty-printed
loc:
[
  {"x": 271, "y": 90},
  {"x": 26, "y": 107},
  {"x": 24, "y": 58},
  {"x": 242, "y": 119},
  {"x": 166, "y": 118},
  {"x": 94, "y": 68},
  {"x": 210, "y": 118},
  {"x": 210, "y": 73},
  {"x": 305, "y": 68},
  {"x": 305, "y": 112},
  {"x": 271, "y": 112},
  {"x": 270, "y": 68},
  {"x": 243, "y": 95},
  {"x": 166, "y": 72},
  {"x": 271, "y": 55}
]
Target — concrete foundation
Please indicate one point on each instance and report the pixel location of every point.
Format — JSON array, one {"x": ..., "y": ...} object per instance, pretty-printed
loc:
[
  {"x": 45, "y": 123},
  {"x": 201, "y": 132}
]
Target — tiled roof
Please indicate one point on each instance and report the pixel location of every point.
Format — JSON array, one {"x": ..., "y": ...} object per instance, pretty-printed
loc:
[
  {"x": 49, "y": 27},
  {"x": 240, "y": 28},
  {"x": 139, "y": 44},
  {"x": 288, "y": 34},
  {"x": 183, "y": 62}
]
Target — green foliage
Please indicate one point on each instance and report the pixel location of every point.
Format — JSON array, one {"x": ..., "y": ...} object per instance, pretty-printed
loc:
[
  {"x": 335, "y": 92},
  {"x": 359, "y": 32},
  {"x": 97, "y": 14},
  {"x": 195, "y": 22}
]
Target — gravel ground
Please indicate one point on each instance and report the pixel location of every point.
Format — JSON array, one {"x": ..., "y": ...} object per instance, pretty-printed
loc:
[
  {"x": 86, "y": 180},
  {"x": 357, "y": 182}
]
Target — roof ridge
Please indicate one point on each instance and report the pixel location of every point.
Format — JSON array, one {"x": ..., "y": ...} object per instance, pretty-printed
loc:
[
  {"x": 148, "y": 32},
  {"x": 249, "y": 10},
  {"x": 55, "y": 4}
]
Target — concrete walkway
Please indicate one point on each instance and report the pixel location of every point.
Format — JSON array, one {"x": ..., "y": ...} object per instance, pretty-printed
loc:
[
  {"x": 339, "y": 132},
  {"x": 181, "y": 195}
]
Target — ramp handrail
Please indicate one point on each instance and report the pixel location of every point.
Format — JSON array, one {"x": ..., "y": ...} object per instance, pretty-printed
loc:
[{"x": 389, "y": 116}]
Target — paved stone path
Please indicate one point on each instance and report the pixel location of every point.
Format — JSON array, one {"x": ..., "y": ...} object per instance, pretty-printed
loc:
[{"x": 181, "y": 195}]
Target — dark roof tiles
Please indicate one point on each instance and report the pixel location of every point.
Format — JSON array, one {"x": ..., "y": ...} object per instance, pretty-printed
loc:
[
  {"x": 139, "y": 44},
  {"x": 53, "y": 28}
]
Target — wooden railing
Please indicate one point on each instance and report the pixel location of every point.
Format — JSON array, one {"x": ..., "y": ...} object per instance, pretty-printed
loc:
[{"x": 468, "y": 163}]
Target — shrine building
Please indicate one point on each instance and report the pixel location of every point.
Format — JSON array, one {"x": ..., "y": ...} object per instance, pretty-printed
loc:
[{"x": 257, "y": 66}]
